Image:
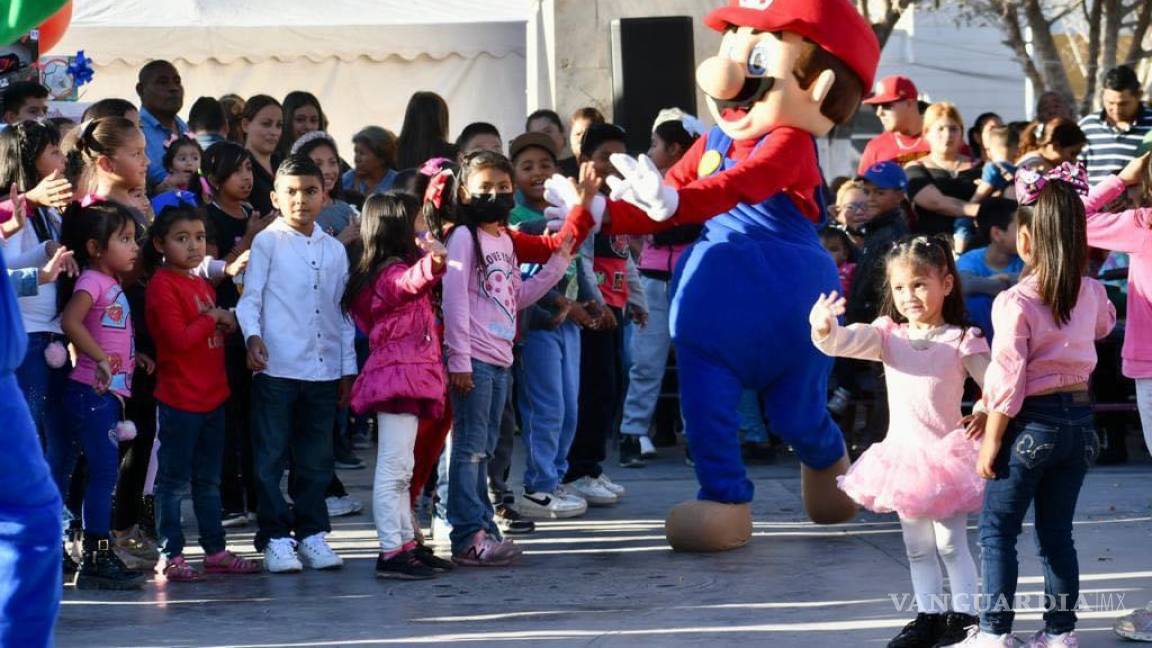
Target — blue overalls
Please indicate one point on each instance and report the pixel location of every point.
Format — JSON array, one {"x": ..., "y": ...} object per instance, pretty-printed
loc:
[
  {"x": 30, "y": 558},
  {"x": 739, "y": 320}
]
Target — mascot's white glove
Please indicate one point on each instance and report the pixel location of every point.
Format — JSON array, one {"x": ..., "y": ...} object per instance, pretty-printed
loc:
[
  {"x": 643, "y": 186},
  {"x": 562, "y": 195}
]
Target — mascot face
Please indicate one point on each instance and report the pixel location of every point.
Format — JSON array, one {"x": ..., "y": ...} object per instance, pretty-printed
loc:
[{"x": 751, "y": 87}]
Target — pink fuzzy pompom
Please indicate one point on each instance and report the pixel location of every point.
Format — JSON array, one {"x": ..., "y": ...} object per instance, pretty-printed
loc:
[
  {"x": 125, "y": 431},
  {"x": 55, "y": 355}
]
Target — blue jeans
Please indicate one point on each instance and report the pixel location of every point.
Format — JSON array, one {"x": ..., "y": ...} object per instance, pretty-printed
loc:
[
  {"x": 191, "y": 450},
  {"x": 292, "y": 418},
  {"x": 1042, "y": 462},
  {"x": 90, "y": 421},
  {"x": 650, "y": 347},
  {"x": 43, "y": 389},
  {"x": 29, "y": 528},
  {"x": 475, "y": 432},
  {"x": 549, "y": 380}
]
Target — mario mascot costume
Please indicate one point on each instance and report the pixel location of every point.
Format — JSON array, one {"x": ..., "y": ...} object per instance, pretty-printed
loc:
[
  {"x": 29, "y": 503},
  {"x": 788, "y": 70}
]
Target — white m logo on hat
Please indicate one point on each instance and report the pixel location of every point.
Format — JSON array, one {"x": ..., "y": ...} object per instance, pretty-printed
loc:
[{"x": 760, "y": 5}]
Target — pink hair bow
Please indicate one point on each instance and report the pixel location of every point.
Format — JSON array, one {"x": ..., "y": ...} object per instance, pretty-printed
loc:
[
  {"x": 1029, "y": 183},
  {"x": 435, "y": 191}
]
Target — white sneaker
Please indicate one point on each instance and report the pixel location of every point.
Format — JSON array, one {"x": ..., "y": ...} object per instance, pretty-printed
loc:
[
  {"x": 1044, "y": 640},
  {"x": 647, "y": 450},
  {"x": 977, "y": 638},
  {"x": 564, "y": 492},
  {"x": 550, "y": 506},
  {"x": 616, "y": 489},
  {"x": 280, "y": 556},
  {"x": 341, "y": 506},
  {"x": 592, "y": 491},
  {"x": 316, "y": 554}
]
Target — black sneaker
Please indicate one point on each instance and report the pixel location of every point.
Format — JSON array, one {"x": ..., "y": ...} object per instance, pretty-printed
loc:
[
  {"x": 956, "y": 626},
  {"x": 511, "y": 522},
  {"x": 101, "y": 569},
  {"x": 922, "y": 632},
  {"x": 425, "y": 555},
  {"x": 405, "y": 565},
  {"x": 630, "y": 452}
]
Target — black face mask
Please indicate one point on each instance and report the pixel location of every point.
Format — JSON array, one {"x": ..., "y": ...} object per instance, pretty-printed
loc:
[{"x": 490, "y": 208}]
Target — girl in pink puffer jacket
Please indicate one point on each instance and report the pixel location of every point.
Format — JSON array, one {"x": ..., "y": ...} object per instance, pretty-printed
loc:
[{"x": 389, "y": 297}]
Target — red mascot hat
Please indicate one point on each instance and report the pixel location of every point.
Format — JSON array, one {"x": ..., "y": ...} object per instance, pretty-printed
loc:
[{"x": 834, "y": 25}]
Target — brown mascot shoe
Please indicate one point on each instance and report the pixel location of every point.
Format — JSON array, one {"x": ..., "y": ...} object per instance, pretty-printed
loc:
[{"x": 703, "y": 526}]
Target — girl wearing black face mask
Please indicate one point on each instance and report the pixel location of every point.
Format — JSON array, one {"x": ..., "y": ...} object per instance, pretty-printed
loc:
[{"x": 483, "y": 291}]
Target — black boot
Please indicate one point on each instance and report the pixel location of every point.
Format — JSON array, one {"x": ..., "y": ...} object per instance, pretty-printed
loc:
[
  {"x": 630, "y": 452},
  {"x": 923, "y": 632},
  {"x": 956, "y": 626},
  {"x": 101, "y": 569}
]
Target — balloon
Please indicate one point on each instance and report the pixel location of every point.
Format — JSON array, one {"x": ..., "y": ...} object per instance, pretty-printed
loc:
[{"x": 52, "y": 30}]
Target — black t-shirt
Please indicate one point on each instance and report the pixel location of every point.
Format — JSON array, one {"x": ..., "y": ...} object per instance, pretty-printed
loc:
[
  {"x": 961, "y": 186},
  {"x": 263, "y": 183},
  {"x": 225, "y": 231}
]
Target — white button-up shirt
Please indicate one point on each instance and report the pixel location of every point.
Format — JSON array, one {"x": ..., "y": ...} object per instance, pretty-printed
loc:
[{"x": 291, "y": 299}]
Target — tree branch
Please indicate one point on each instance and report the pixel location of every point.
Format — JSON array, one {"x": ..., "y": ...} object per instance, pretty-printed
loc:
[
  {"x": 1143, "y": 21},
  {"x": 1093, "y": 68}
]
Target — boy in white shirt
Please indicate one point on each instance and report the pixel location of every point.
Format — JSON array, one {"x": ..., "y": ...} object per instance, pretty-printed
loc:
[{"x": 301, "y": 346}]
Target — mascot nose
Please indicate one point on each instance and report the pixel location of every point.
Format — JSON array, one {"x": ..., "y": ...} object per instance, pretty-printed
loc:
[{"x": 720, "y": 78}]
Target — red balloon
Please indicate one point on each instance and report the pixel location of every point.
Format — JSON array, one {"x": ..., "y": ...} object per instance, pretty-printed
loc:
[{"x": 53, "y": 29}]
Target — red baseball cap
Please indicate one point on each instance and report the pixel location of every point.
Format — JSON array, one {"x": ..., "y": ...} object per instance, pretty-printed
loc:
[
  {"x": 834, "y": 25},
  {"x": 892, "y": 88}
]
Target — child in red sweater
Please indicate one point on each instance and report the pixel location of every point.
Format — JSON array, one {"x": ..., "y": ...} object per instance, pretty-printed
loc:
[{"x": 191, "y": 389}]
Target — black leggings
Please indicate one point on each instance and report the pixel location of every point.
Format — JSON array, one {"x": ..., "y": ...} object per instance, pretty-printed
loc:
[
  {"x": 237, "y": 478},
  {"x": 135, "y": 454},
  {"x": 601, "y": 380}
]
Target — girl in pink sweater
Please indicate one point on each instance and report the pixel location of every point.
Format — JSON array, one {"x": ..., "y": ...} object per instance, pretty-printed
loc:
[
  {"x": 403, "y": 380},
  {"x": 483, "y": 291},
  {"x": 1039, "y": 439},
  {"x": 1130, "y": 231}
]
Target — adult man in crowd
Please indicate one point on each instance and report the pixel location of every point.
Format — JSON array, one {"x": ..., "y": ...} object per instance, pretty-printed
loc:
[
  {"x": 1114, "y": 133},
  {"x": 898, "y": 107},
  {"x": 161, "y": 98},
  {"x": 24, "y": 100}
]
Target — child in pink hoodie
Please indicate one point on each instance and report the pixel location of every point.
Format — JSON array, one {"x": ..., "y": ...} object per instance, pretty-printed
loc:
[
  {"x": 403, "y": 380},
  {"x": 1130, "y": 231}
]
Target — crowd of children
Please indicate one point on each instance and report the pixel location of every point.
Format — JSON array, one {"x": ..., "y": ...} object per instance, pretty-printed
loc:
[{"x": 220, "y": 315}]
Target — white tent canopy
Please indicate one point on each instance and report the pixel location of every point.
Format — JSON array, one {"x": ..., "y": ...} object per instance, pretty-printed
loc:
[{"x": 362, "y": 58}]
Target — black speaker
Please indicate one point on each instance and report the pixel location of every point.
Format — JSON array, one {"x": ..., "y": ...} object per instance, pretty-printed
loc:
[{"x": 653, "y": 67}]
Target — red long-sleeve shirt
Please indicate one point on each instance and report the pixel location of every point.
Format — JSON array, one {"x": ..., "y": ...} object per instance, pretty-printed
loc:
[
  {"x": 785, "y": 162},
  {"x": 189, "y": 349}
]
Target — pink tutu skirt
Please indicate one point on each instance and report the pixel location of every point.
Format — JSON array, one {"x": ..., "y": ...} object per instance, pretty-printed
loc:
[{"x": 922, "y": 479}]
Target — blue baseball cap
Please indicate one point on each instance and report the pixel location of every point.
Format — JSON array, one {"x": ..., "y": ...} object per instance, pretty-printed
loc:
[{"x": 886, "y": 175}]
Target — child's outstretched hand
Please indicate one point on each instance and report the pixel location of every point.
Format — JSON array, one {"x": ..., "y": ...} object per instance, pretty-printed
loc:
[
  {"x": 239, "y": 265},
  {"x": 60, "y": 263},
  {"x": 589, "y": 186},
  {"x": 434, "y": 248},
  {"x": 974, "y": 425},
  {"x": 53, "y": 191},
  {"x": 1131, "y": 172},
  {"x": 824, "y": 313}
]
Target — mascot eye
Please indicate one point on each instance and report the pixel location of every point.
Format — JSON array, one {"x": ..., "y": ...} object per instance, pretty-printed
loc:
[{"x": 758, "y": 60}]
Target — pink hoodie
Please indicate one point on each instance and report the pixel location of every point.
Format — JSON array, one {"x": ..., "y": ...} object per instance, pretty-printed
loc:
[{"x": 1128, "y": 231}]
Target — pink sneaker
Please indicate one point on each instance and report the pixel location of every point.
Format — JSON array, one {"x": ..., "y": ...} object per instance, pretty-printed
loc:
[
  {"x": 486, "y": 552},
  {"x": 1044, "y": 640}
]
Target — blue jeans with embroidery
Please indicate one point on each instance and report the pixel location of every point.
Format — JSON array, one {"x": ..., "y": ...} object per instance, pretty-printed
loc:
[
  {"x": 1042, "y": 462},
  {"x": 475, "y": 432}
]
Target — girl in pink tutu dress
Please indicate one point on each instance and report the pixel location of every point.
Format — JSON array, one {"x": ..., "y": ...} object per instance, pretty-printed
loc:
[{"x": 924, "y": 470}]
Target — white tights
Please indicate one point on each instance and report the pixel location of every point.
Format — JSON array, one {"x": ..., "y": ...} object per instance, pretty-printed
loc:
[
  {"x": 394, "y": 462},
  {"x": 1144, "y": 403},
  {"x": 924, "y": 540}
]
